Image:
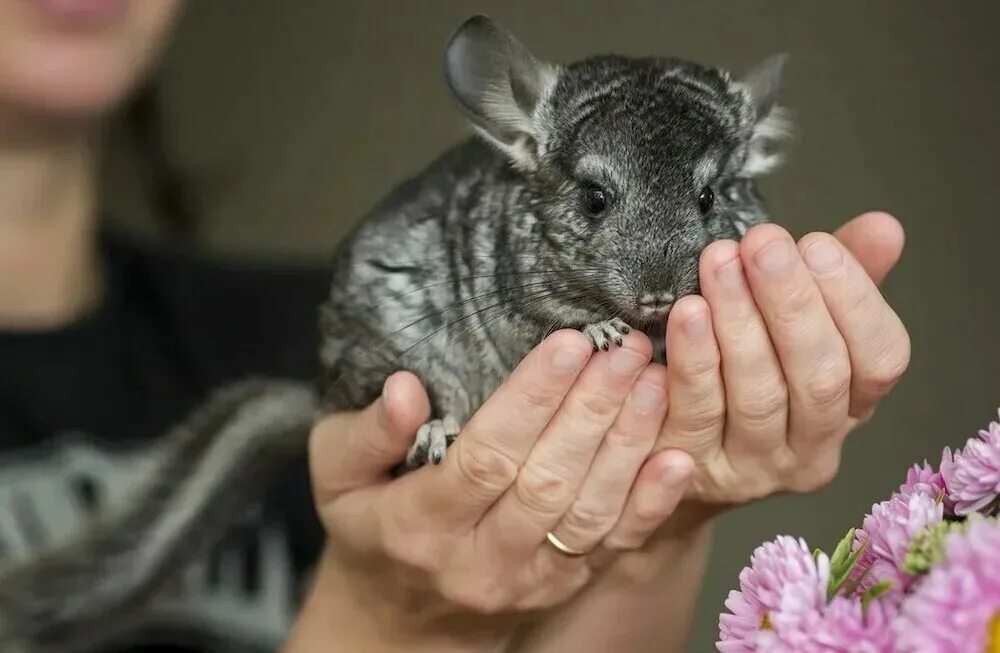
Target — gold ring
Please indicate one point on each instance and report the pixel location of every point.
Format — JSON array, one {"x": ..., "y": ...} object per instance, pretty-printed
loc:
[{"x": 562, "y": 548}]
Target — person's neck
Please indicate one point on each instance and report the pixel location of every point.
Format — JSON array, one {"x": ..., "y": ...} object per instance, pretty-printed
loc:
[{"x": 49, "y": 272}]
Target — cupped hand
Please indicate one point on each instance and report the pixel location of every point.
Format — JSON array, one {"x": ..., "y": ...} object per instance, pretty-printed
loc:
[
  {"x": 790, "y": 347},
  {"x": 562, "y": 447}
]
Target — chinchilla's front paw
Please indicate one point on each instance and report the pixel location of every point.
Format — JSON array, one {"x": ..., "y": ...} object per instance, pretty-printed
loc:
[
  {"x": 602, "y": 334},
  {"x": 432, "y": 442}
]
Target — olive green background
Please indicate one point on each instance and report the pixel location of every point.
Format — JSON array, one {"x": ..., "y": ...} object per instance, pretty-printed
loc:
[{"x": 289, "y": 119}]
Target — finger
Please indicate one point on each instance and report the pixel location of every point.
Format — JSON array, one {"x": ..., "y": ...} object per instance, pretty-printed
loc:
[
  {"x": 876, "y": 240},
  {"x": 557, "y": 466},
  {"x": 756, "y": 396},
  {"x": 352, "y": 449},
  {"x": 694, "y": 381},
  {"x": 485, "y": 459},
  {"x": 599, "y": 504},
  {"x": 811, "y": 350},
  {"x": 660, "y": 486},
  {"x": 877, "y": 341}
]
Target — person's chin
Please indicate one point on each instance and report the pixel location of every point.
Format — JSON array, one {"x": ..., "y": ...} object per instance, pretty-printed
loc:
[{"x": 64, "y": 88}]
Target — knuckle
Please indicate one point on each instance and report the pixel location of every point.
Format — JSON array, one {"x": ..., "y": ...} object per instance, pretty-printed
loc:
[
  {"x": 763, "y": 405},
  {"x": 588, "y": 521},
  {"x": 701, "y": 416},
  {"x": 817, "y": 475},
  {"x": 475, "y": 595},
  {"x": 784, "y": 462},
  {"x": 795, "y": 301},
  {"x": 543, "y": 490},
  {"x": 485, "y": 467},
  {"x": 829, "y": 386},
  {"x": 880, "y": 378},
  {"x": 647, "y": 515},
  {"x": 629, "y": 439},
  {"x": 538, "y": 398},
  {"x": 594, "y": 407},
  {"x": 700, "y": 370},
  {"x": 622, "y": 542},
  {"x": 753, "y": 491},
  {"x": 862, "y": 302}
]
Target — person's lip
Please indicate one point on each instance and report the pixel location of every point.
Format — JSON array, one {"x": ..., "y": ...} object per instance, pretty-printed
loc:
[{"x": 80, "y": 13}]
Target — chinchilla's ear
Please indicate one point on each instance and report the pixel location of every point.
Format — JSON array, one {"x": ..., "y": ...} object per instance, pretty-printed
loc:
[
  {"x": 763, "y": 83},
  {"x": 498, "y": 84},
  {"x": 770, "y": 123}
]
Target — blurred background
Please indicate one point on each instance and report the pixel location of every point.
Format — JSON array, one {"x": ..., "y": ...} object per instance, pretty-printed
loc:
[{"x": 289, "y": 120}]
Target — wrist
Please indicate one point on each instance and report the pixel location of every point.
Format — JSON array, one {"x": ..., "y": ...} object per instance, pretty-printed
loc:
[
  {"x": 644, "y": 600},
  {"x": 345, "y": 610}
]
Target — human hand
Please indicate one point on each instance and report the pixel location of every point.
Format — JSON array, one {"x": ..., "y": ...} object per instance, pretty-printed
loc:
[
  {"x": 789, "y": 349},
  {"x": 563, "y": 446}
]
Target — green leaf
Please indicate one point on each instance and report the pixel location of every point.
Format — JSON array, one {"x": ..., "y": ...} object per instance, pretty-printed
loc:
[
  {"x": 874, "y": 592},
  {"x": 842, "y": 550},
  {"x": 842, "y": 563}
]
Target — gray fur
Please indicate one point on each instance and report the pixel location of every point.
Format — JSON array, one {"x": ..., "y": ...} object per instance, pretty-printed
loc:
[
  {"x": 456, "y": 275},
  {"x": 497, "y": 252},
  {"x": 86, "y": 593}
]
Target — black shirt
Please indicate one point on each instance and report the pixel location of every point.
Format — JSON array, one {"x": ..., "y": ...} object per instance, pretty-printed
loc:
[{"x": 80, "y": 405}]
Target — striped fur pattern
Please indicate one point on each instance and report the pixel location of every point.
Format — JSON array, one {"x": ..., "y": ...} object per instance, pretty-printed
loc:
[
  {"x": 86, "y": 593},
  {"x": 489, "y": 249},
  {"x": 455, "y": 276}
]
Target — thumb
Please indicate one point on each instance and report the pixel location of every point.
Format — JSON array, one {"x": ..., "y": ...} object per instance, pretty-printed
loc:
[
  {"x": 876, "y": 241},
  {"x": 353, "y": 449}
]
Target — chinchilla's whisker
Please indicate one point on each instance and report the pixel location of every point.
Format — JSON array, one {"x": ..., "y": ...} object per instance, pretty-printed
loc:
[
  {"x": 454, "y": 306},
  {"x": 417, "y": 264},
  {"x": 469, "y": 300},
  {"x": 514, "y": 305},
  {"x": 509, "y": 308},
  {"x": 470, "y": 315},
  {"x": 533, "y": 302},
  {"x": 445, "y": 282}
]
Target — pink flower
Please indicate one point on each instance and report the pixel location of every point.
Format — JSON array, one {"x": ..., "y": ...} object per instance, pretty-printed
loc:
[
  {"x": 972, "y": 474},
  {"x": 956, "y": 607},
  {"x": 887, "y": 532},
  {"x": 784, "y": 582},
  {"x": 923, "y": 477},
  {"x": 843, "y": 627}
]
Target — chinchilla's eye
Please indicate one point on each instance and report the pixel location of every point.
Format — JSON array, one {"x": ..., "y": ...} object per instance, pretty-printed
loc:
[
  {"x": 706, "y": 200},
  {"x": 595, "y": 199}
]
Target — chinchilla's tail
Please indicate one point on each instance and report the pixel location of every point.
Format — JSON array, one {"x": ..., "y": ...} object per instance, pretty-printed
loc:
[{"x": 209, "y": 469}]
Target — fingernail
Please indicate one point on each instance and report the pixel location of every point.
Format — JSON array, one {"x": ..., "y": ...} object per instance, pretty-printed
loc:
[
  {"x": 823, "y": 257},
  {"x": 776, "y": 257},
  {"x": 646, "y": 397},
  {"x": 383, "y": 404},
  {"x": 626, "y": 361},
  {"x": 569, "y": 359},
  {"x": 696, "y": 325},
  {"x": 387, "y": 390},
  {"x": 730, "y": 275}
]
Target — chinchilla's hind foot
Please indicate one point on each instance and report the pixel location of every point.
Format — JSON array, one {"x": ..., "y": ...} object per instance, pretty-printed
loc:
[
  {"x": 432, "y": 442},
  {"x": 602, "y": 334}
]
